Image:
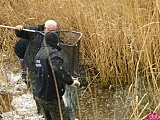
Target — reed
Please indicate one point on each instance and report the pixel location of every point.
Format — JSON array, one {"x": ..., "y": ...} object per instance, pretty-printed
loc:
[{"x": 5, "y": 96}]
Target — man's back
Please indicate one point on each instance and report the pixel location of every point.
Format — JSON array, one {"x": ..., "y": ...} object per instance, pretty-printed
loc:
[
  {"x": 33, "y": 44},
  {"x": 45, "y": 86}
]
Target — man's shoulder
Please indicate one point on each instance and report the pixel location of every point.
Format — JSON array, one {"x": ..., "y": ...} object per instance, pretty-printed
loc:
[
  {"x": 33, "y": 27},
  {"x": 55, "y": 53}
]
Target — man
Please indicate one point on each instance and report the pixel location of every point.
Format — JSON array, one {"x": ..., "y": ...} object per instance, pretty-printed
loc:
[
  {"x": 34, "y": 40},
  {"x": 34, "y": 43},
  {"x": 51, "y": 70},
  {"x": 22, "y": 44}
]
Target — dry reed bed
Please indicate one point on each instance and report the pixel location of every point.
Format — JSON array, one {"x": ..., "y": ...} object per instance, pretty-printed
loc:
[{"x": 120, "y": 42}]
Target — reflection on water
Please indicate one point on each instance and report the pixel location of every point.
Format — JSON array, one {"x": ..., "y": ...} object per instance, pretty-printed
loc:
[{"x": 96, "y": 103}]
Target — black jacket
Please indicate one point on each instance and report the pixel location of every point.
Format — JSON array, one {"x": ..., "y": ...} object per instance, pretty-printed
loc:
[
  {"x": 20, "y": 47},
  {"x": 34, "y": 43},
  {"x": 44, "y": 84}
]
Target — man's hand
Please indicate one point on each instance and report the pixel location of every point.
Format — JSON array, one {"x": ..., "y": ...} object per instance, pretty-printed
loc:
[
  {"x": 19, "y": 27},
  {"x": 75, "y": 82}
]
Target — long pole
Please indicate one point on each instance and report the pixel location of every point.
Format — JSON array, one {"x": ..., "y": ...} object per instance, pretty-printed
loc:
[
  {"x": 23, "y": 29},
  {"x": 4, "y": 26}
]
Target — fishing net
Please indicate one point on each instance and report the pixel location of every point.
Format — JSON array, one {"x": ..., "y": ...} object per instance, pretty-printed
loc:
[{"x": 70, "y": 47}]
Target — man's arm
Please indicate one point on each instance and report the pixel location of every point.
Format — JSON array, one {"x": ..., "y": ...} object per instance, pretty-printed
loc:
[
  {"x": 63, "y": 74},
  {"x": 24, "y": 34}
]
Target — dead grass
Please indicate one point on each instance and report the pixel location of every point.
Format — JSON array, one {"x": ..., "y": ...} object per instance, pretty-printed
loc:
[
  {"x": 5, "y": 104},
  {"x": 5, "y": 97}
]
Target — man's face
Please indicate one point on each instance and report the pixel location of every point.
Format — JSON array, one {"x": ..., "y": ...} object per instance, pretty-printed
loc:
[{"x": 50, "y": 28}]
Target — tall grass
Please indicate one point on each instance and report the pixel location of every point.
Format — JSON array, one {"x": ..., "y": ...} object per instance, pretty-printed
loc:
[
  {"x": 120, "y": 42},
  {"x": 5, "y": 96}
]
